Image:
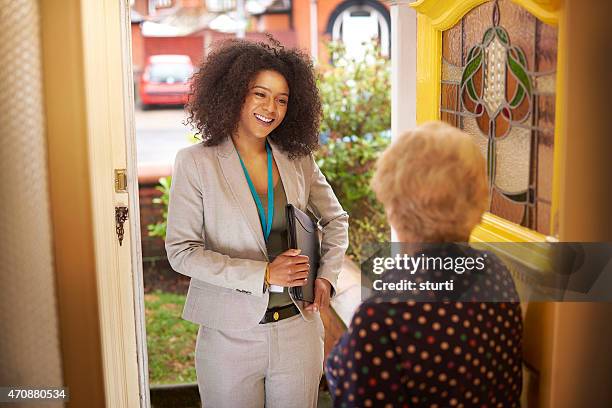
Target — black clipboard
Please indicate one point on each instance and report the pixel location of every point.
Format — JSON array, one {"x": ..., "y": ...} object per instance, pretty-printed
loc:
[{"x": 303, "y": 233}]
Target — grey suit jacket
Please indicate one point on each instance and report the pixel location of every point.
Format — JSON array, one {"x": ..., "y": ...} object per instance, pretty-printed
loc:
[{"x": 214, "y": 234}]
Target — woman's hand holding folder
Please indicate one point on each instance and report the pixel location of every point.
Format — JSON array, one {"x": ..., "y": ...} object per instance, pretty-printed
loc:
[{"x": 289, "y": 269}]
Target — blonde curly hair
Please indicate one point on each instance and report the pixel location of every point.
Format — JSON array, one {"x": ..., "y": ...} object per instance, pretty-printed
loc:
[{"x": 433, "y": 184}]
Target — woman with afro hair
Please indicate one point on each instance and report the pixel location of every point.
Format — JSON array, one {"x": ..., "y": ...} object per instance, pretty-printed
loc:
[{"x": 257, "y": 109}]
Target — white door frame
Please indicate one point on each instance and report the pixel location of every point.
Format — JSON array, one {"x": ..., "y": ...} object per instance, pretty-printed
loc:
[
  {"x": 112, "y": 145},
  {"x": 403, "y": 71},
  {"x": 134, "y": 198}
]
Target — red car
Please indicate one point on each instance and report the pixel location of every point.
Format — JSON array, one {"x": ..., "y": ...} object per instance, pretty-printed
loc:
[{"x": 165, "y": 80}]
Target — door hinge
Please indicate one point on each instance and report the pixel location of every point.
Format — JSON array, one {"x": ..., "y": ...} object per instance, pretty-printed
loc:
[{"x": 121, "y": 181}]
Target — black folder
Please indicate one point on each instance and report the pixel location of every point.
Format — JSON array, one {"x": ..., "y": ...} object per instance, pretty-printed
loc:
[{"x": 303, "y": 233}]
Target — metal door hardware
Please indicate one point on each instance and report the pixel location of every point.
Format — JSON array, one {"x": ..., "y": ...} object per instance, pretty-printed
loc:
[
  {"x": 120, "y": 180},
  {"x": 121, "y": 215}
]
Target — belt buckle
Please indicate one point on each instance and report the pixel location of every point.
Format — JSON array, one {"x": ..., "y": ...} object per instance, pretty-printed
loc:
[{"x": 276, "y": 316}]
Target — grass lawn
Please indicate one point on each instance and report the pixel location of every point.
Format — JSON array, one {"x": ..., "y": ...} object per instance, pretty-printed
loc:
[{"x": 170, "y": 339}]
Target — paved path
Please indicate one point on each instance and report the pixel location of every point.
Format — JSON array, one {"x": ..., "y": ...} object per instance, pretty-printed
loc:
[{"x": 160, "y": 133}]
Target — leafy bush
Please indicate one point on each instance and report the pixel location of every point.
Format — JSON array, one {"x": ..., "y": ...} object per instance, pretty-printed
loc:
[
  {"x": 348, "y": 165},
  {"x": 356, "y": 122},
  {"x": 355, "y": 93},
  {"x": 159, "y": 229}
]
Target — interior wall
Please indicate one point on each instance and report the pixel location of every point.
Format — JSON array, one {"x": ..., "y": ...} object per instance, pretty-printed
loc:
[
  {"x": 29, "y": 335},
  {"x": 581, "y": 370}
]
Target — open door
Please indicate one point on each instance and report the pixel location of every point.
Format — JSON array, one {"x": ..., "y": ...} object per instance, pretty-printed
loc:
[{"x": 112, "y": 150}]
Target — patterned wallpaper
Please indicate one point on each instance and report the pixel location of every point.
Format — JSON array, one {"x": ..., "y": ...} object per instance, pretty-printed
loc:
[{"x": 29, "y": 337}]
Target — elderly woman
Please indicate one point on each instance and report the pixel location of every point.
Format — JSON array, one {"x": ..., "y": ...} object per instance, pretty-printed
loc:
[{"x": 433, "y": 350}]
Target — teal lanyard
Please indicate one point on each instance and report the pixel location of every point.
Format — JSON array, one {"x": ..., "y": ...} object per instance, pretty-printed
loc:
[{"x": 266, "y": 224}]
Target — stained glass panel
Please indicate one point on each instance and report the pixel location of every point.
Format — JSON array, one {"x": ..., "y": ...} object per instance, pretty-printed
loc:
[
  {"x": 451, "y": 41},
  {"x": 498, "y": 84}
]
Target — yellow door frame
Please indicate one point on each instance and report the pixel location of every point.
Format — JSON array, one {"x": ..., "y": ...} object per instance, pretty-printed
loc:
[{"x": 436, "y": 16}]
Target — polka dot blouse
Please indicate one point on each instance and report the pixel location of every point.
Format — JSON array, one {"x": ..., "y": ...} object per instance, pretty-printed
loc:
[{"x": 429, "y": 354}]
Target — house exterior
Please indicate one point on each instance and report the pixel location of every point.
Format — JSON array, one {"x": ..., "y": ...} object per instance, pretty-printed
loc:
[{"x": 191, "y": 26}]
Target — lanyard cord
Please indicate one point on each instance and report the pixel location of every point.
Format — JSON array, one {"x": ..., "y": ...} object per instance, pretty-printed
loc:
[{"x": 266, "y": 224}]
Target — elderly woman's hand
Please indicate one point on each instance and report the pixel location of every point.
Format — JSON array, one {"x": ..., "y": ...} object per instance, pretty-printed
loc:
[{"x": 322, "y": 292}]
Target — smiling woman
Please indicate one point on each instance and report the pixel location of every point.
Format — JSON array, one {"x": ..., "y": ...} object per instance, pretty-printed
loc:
[
  {"x": 265, "y": 105},
  {"x": 223, "y": 82},
  {"x": 258, "y": 111}
]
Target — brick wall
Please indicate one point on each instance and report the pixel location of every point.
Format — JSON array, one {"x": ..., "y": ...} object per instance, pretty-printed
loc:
[
  {"x": 137, "y": 49},
  {"x": 189, "y": 45},
  {"x": 142, "y": 7}
]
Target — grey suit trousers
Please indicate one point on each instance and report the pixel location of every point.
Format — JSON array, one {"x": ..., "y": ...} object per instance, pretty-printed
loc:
[{"x": 276, "y": 365}]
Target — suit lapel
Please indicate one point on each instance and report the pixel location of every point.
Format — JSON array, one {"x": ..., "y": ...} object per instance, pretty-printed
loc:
[
  {"x": 287, "y": 173},
  {"x": 234, "y": 176}
]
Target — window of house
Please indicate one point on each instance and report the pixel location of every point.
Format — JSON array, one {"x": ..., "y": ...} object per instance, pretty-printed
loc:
[
  {"x": 358, "y": 24},
  {"x": 498, "y": 84}
]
